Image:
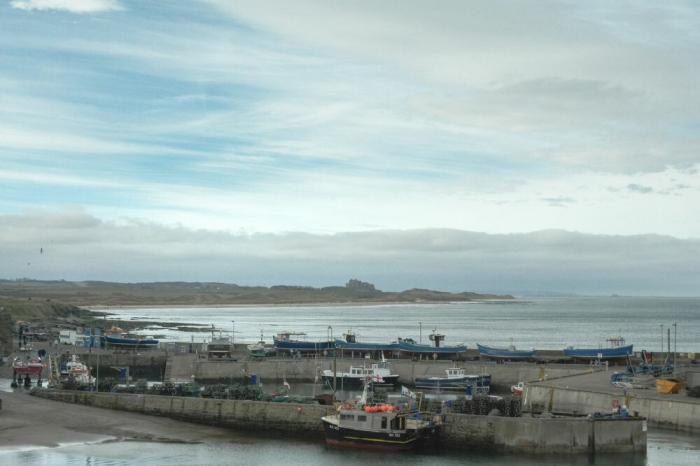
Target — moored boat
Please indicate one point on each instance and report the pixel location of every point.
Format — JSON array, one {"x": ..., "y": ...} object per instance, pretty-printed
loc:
[
  {"x": 118, "y": 338},
  {"x": 261, "y": 349},
  {"x": 77, "y": 371},
  {"x": 378, "y": 373},
  {"x": 616, "y": 349},
  {"x": 290, "y": 341},
  {"x": 505, "y": 353},
  {"x": 376, "y": 427},
  {"x": 456, "y": 380}
]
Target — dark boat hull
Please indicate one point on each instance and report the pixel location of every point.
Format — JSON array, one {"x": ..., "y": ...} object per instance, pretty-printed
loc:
[
  {"x": 341, "y": 437},
  {"x": 480, "y": 385},
  {"x": 358, "y": 382},
  {"x": 297, "y": 345},
  {"x": 131, "y": 342}
]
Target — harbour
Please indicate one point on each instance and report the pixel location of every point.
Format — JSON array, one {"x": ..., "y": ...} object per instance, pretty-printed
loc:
[{"x": 551, "y": 390}]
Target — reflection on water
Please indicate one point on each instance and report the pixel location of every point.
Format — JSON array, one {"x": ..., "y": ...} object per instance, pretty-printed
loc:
[{"x": 665, "y": 448}]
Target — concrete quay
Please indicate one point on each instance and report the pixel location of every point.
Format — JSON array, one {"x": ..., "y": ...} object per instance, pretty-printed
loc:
[
  {"x": 186, "y": 367},
  {"x": 593, "y": 392},
  {"x": 459, "y": 432},
  {"x": 533, "y": 435}
]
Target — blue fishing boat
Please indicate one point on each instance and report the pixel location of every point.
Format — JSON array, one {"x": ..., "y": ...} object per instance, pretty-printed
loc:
[
  {"x": 289, "y": 341},
  {"x": 362, "y": 346},
  {"x": 616, "y": 349},
  {"x": 505, "y": 353},
  {"x": 124, "y": 341},
  {"x": 408, "y": 345},
  {"x": 405, "y": 345}
]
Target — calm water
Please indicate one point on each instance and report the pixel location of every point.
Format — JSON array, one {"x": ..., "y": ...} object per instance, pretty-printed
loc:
[
  {"x": 543, "y": 323},
  {"x": 664, "y": 449}
]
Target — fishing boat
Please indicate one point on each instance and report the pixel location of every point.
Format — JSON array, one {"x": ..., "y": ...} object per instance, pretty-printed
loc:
[
  {"x": 504, "y": 353},
  {"x": 376, "y": 427},
  {"x": 616, "y": 349},
  {"x": 349, "y": 343},
  {"x": 291, "y": 341},
  {"x": 456, "y": 380},
  {"x": 379, "y": 374},
  {"x": 77, "y": 371},
  {"x": 120, "y": 339},
  {"x": 261, "y": 349}
]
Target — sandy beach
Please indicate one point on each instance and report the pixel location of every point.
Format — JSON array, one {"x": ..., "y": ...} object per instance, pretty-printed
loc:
[{"x": 28, "y": 422}]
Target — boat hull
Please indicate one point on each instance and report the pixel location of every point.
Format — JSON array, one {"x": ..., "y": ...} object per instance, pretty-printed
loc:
[
  {"x": 503, "y": 353},
  {"x": 303, "y": 345},
  {"x": 358, "y": 382},
  {"x": 342, "y": 437},
  {"x": 479, "y": 384},
  {"x": 599, "y": 353},
  {"x": 131, "y": 342},
  {"x": 399, "y": 347}
]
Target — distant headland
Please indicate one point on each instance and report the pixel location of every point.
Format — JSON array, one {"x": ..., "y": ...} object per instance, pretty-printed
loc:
[{"x": 98, "y": 293}]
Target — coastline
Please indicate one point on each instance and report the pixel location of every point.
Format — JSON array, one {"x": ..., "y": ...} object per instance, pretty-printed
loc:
[{"x": 107, "y": 307}]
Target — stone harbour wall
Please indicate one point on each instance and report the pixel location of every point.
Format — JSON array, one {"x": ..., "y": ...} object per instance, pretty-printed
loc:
[
  {"x": 459, "y": 432},
  {"x": 669, "y": 412}
]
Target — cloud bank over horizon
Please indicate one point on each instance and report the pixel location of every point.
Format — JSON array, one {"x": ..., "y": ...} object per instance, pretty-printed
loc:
[{"x": 79, "y": 246}]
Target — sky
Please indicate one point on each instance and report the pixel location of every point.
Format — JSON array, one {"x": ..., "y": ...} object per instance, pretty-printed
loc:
[{"x": 457, "y": 145}]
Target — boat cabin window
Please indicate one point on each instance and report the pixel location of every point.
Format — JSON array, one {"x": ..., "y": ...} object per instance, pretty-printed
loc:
[
  {"x": 347, "y": 417},
  {"x": 384, "y": 422},
  {"x": 396, "y": 423},
  {"x": 361, "y": 418}
]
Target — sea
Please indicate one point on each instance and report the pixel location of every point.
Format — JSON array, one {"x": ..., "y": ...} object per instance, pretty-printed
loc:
[{"x": 551, "y": 323}]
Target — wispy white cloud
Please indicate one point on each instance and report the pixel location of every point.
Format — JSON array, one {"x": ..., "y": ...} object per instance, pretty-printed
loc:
[
  {"x": 279, "y": 116},
  {"x": 73, "y": 6}
]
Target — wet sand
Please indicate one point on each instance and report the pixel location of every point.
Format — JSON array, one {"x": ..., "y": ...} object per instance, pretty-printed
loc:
[{"x": 28, "y": 422}]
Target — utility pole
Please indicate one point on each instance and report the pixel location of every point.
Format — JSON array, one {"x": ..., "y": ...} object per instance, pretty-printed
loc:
[
  {"x": 662, "y": 339},
  {"x": 335, "y": 361},
  {"x": 675, "y": 343},
  {"x": 97, "y": 378}
]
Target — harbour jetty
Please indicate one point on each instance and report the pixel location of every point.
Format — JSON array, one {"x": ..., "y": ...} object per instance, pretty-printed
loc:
[
  {"x": 587, "y": 393},
  {"x": 536, "y": 435}
]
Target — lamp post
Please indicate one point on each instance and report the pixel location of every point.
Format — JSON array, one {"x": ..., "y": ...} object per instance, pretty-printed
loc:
[
  {"x": 335, "y": 360},
  {"x": 675, "y": 343}
]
